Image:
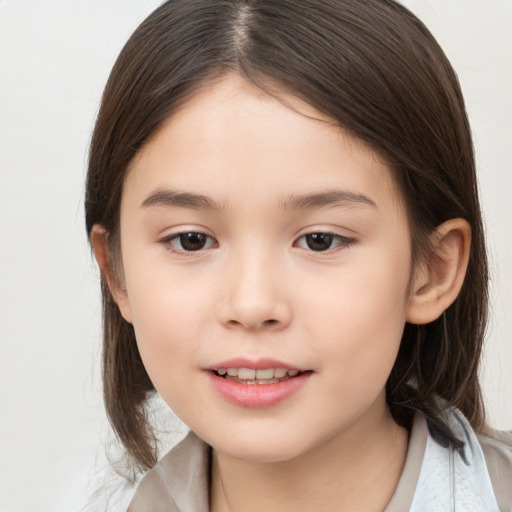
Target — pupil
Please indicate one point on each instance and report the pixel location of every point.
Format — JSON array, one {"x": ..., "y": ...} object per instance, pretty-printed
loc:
[
  {"x": 319, "y": 241},
  {"x": 192, "y": 241}
]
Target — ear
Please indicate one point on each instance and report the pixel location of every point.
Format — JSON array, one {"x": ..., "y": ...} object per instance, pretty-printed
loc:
[
  {"x": 114, "y": 281},
  {"x": 438, "y": 280}
]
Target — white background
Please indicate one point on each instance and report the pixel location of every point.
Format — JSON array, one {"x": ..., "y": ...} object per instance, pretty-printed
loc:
[{"x": 55, "y": 56}]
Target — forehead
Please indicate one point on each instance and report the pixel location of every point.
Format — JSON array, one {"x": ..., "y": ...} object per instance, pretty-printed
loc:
[{"x": 232, "y": 136}]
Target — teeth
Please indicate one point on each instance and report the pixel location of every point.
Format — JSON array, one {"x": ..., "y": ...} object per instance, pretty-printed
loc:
[
  {"x": 264, "y": 374},
  {"x": 261, "y": 376},
  {"x": 246, "y": 374}
]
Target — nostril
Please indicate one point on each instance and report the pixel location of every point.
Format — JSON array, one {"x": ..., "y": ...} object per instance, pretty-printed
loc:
[{"x": 266, "y": 323}]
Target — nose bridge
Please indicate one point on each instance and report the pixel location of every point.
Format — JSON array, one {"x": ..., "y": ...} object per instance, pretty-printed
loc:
[{"x": 255, "y": 296}]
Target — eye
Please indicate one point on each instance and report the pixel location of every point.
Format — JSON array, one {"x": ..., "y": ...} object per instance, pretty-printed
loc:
[
  {"x": 189, "y": 242},
  {"x": 321, "y": 242}
]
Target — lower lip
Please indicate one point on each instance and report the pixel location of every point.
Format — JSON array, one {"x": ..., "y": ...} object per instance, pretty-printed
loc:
[{"x": 257, "y": 395}]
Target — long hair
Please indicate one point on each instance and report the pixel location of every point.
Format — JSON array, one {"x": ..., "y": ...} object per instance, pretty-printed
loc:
[{"x": 373, "y": 68}]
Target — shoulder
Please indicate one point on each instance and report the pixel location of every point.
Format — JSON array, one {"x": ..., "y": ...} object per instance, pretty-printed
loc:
[
  {"x": 460, "y": 467},
  {"x": 497, "y": 448},
  {"x": 179, "y": 481}
]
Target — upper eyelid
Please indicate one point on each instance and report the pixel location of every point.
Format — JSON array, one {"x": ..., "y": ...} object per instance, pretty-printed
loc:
[
  {"x": 174, "y": 234},
  {"x": 326, "y": 232},
  {"x": 205, "y": 233},
  {"x": 329, "y": 229},
  {"x": 323, "y": 232}
]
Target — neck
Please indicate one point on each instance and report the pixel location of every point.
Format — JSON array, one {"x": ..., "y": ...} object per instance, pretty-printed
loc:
[{"x": 358, "y": 469}]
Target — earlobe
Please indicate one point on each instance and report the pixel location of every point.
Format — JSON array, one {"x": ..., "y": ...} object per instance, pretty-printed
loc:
[
  {"x": 114, "y": 281},
  {"x": 438, "y": 280}
]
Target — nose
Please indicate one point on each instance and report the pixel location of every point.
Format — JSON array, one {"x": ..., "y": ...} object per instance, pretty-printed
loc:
[{"x": 255, "y": 296}]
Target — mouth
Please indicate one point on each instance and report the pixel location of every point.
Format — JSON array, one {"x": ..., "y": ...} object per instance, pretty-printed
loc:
[
  {"x": 267, "y": 385},
  {"x": 251, "y": 376}
]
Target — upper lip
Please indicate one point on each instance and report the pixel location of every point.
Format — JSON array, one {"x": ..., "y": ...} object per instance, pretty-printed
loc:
[{"x": 258, "y": 364}]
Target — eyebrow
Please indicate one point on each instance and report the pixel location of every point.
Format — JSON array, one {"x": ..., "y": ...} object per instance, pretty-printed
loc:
[
  {"x": 327, "y": 198},
  {"x": 172, "y": 198}
]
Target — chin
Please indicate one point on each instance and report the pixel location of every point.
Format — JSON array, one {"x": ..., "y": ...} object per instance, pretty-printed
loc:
[{"x": 266, "y": 449}]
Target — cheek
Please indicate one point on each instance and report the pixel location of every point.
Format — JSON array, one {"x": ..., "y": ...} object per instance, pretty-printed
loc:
[
  {"x": 167, "y": 336},
  {"x": 170, "y": 311},
  {"x": 356, "y": 320}
]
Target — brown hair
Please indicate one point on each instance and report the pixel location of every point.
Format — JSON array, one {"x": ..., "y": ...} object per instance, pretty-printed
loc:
[{"x": 375, "y": 69}]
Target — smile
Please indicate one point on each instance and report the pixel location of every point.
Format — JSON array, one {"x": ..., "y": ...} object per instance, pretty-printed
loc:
[
  {"x": 256, "y": 384},
  {"x": 261, "y": 376}
]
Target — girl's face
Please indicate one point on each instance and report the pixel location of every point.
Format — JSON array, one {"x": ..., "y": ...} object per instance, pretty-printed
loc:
[{"x": 260, "y": 241}]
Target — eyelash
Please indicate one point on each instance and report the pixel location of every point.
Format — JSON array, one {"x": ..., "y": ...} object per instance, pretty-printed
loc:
[
  {"x": 167, "y": 242},
  {"x": 341, "y": 242}
]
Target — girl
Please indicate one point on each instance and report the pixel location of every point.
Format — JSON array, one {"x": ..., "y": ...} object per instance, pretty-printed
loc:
[{"x": 282, "y": 201}]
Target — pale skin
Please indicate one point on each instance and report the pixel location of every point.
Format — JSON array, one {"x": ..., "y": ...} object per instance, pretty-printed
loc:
[{"x": 257, "y": 178}]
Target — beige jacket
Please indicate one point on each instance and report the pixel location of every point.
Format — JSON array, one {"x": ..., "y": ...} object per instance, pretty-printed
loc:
[{"x": 180, "y": 481}]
